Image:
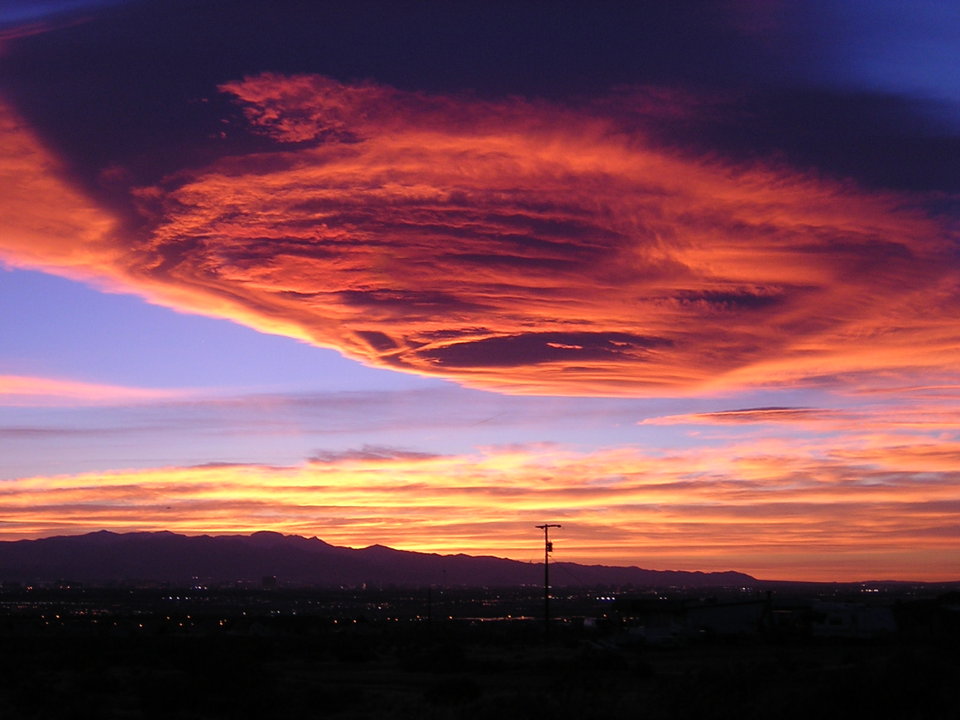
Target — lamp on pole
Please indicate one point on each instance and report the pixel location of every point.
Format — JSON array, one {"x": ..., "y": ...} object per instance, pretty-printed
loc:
[{"x": 547, "y": 549}]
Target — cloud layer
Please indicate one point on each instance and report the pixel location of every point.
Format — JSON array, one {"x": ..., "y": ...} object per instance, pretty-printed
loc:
[
  {"x": 772, "y": 507},
  {"x": 530, "y": 248}
]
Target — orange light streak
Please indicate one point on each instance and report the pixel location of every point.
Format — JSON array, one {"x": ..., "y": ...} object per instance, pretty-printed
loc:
[{"x": 20, "y": 390}]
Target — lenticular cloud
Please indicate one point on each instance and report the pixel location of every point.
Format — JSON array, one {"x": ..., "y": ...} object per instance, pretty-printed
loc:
[{"x": 530, "y": 248}]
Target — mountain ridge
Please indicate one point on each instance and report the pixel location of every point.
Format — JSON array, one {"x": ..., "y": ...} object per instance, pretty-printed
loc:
[{"x": 164, "y": 556}]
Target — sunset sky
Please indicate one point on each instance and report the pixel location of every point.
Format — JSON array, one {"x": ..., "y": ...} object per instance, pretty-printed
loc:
[{"x": 683, "y": 277}]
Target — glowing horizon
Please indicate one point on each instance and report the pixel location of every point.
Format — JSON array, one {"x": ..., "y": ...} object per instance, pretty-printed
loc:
[{"x": 777, "y": 503}]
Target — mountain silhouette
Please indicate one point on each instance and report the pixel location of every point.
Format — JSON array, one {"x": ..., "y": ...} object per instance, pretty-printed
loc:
[{"x": 107, "y": 557}]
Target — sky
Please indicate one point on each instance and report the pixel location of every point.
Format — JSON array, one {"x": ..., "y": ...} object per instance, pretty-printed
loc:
[{"x": 681, "y": 277}]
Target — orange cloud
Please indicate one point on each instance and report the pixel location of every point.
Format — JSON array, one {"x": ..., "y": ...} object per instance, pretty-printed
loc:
[
  {"x": 528, "y": 248},
  {"x": 46, "y": 222},
  {"x": 20, "y": 390},
  {"x": 748, "y": 416},
  {"x": 51, "y": 224},
  {"x": 780, "y": 509}
]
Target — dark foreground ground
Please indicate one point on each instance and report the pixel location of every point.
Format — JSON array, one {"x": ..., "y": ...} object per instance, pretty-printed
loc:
[{"x": 146, "y": 664}]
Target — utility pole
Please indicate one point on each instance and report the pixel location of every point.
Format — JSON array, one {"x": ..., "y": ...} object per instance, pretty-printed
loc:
[{"x": 547, "y": 549}]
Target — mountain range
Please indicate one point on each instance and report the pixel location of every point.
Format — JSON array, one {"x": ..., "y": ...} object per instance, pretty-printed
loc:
[{"x": 107, "y": 557}]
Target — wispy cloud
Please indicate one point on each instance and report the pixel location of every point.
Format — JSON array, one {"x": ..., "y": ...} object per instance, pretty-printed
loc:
[
  {"x": 749, "y": 416},
  {"x": 29, "y": 19},
  {"x": 19, "y": 390},
  {"x": 916, "y": 410},
  {"x": 369, "y": 453}
]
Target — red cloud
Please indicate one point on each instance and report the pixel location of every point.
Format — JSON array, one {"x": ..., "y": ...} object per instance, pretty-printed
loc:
[{"x": 529, "y": 248}]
